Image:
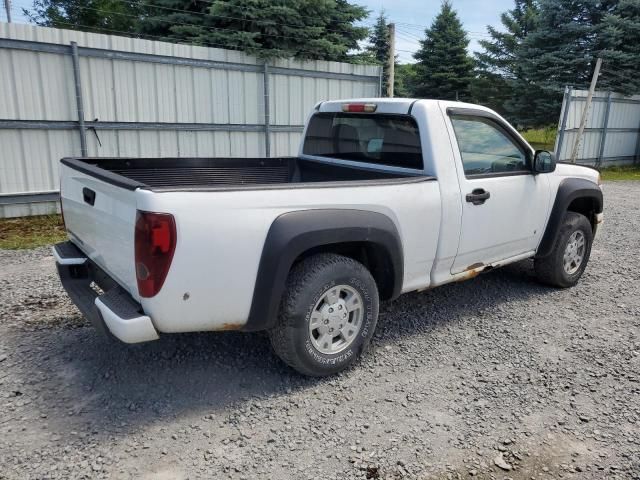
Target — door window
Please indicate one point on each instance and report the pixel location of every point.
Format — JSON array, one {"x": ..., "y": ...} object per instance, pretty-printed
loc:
[{"x": 486, "y": 149}]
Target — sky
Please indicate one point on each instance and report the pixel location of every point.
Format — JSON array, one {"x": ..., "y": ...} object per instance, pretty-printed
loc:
[{"x": 413, "y": 16}]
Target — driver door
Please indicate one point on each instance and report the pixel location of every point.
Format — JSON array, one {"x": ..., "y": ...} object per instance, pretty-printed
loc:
[{"x": 504, "y": 205}]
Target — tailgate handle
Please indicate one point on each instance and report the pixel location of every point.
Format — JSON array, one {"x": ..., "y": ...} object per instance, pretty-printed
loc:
[{"x": 89, "y": 196}]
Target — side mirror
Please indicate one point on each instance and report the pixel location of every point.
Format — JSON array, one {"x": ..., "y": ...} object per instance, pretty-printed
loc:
[{"x": 544, "y": 162}]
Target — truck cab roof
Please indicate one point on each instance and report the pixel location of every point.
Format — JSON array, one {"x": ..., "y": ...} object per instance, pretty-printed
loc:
[{"x": 398, "y": 106}]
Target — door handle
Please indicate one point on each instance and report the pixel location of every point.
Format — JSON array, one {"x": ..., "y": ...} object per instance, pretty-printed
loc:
[
  {"x": 89, "y": 196},
  {"x": 478, "y": 196}
]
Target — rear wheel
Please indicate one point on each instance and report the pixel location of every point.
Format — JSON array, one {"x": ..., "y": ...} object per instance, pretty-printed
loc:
[
  {"x": 566, "y": 262},
  {"x": 327, "y": 315}
]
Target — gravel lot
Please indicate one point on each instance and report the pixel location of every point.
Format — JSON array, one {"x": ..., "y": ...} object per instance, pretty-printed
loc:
[{"x": 497, "y": 370}]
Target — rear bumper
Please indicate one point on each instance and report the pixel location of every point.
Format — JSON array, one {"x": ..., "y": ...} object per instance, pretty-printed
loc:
[{"x": 112, "y": 312}]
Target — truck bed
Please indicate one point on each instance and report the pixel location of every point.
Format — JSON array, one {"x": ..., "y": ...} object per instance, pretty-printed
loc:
[{"x": 203, "y": 173}]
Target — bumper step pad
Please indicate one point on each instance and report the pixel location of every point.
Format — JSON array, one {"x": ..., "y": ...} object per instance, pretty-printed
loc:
[{"x": 66, "y": 253}]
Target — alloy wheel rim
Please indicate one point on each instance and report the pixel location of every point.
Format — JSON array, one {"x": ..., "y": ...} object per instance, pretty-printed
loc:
[
  {"x": 574, "y": 252},
  {"x": 336, "y": 319}
]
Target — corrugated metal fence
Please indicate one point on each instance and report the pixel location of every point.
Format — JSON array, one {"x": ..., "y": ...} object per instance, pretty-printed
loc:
[
  {"x": 69, "y": 93},
  {"x": 612, "y": 131}
]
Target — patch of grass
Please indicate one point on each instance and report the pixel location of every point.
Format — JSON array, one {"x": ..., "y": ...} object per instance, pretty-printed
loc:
[
  {"x": 31, "y": 232},
  {"x": 541, "y": 138},
  {"x": 626, "y": 172}
]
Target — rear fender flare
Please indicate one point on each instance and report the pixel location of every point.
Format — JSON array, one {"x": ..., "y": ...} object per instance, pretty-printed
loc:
[{"x": 294, "y": 233}]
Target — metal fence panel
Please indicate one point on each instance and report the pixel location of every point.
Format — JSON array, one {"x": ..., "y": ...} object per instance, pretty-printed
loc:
[
  {"x": 146, "y": 98},
  {"x": 612, "y": 130}
]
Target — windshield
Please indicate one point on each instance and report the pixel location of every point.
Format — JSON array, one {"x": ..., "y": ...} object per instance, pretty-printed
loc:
[{"x": 391, "y": 140}]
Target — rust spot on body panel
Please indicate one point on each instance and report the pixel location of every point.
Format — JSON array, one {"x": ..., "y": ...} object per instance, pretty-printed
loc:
[
  {"x": 471, "y": 271},
  {"x": 474, "y": 266},
  {"x": 230, "y": 326}
]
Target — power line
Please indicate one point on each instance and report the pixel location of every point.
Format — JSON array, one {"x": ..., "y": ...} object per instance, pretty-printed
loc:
[
  {"x": 416, "y": 26},
  {"x": 406, "y": 38}
]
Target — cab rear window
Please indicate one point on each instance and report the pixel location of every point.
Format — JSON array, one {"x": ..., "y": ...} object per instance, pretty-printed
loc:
[{"x": 391, "y": 140}]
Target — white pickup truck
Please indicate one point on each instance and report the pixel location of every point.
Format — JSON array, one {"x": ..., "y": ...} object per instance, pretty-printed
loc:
[{"x": 386, "y": 196}]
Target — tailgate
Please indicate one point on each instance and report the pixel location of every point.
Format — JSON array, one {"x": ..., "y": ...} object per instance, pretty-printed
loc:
[{"x": 100, "y": 219}]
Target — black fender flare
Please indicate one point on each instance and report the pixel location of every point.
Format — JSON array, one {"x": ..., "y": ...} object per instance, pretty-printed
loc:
[
  {"x": 293, "y": 233},
  {"x": 569, "y": 190}
]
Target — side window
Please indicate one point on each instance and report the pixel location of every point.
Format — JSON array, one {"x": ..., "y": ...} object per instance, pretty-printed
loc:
[{"x": 486, "y": 149}]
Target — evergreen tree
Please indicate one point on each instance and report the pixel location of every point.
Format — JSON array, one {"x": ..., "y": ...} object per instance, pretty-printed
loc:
[
  {"x": 379, "y": 47},
  {"x": 621, "y": 37},
  {"x": 500, "y": 53},
  {"x": 444, "y": 70},
  {"x": 500, "y": 82},
  {"x": 562, "y": 50},
  {"x": 405, "y": 80},
  {"x": 100, "y": 16},
  {"x": 286, "y": 28},
  {"x": 492, "y": 90},
  {"x": 318, "y": 29},
  {"x": 174, "y": 20},
  {"x": 342, "y": 30}
]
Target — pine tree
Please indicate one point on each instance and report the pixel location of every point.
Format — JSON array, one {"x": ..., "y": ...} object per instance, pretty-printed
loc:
[
  {"x": 174, "y": 20},
  {"x": 500, "y": 53},
  {"x": 379, "y": 48},
  {"x": 500, "y": 82},
  {"x": 342, "y": 30},
  {"x": 562, "y": 50},
  {"x": 444, "y": 69},
  {"x": 405, "y": 80},
  {"x": 621, "y": 37},
  {"x": 318, "y": 29},
  {"x": 100, "y": 16},
  {"x": 286, "y": 28}
]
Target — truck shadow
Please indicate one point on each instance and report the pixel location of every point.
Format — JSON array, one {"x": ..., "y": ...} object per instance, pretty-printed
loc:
[{"x": 75, "y": 378}]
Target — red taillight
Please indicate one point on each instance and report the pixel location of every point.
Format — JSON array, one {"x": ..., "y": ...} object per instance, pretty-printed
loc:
[{"x": 155, "y": 242}]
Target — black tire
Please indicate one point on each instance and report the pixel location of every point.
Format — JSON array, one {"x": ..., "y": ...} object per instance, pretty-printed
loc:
[
  {"x": 550, "y": 269},
  {"x": 307, "y": 284}
]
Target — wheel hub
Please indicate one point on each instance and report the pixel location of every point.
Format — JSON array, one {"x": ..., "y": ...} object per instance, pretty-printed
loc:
[
  {"x": 335, "y": 315},
  {"x": 336, "y": 319}
]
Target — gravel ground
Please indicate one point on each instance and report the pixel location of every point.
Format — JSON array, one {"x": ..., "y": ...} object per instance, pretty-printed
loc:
[{"x": 497, "y": 377}]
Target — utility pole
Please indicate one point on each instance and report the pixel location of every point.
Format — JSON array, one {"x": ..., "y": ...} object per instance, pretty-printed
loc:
[
  {"x": 585, "y": 111},
  {"x": 392, "y": 59},
  {"x": 7, "y": 5}
]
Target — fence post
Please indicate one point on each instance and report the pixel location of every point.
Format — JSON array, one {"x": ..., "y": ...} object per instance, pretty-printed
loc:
[
  {"x": 267, "y": 112},
  {"x": 605, "y": 125},
  {"x": 637, "y": 153},
  {"x": 585, "y": 110},
  {"x": 79, "y": 102},
  {"x": 563, "y": 124}
]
